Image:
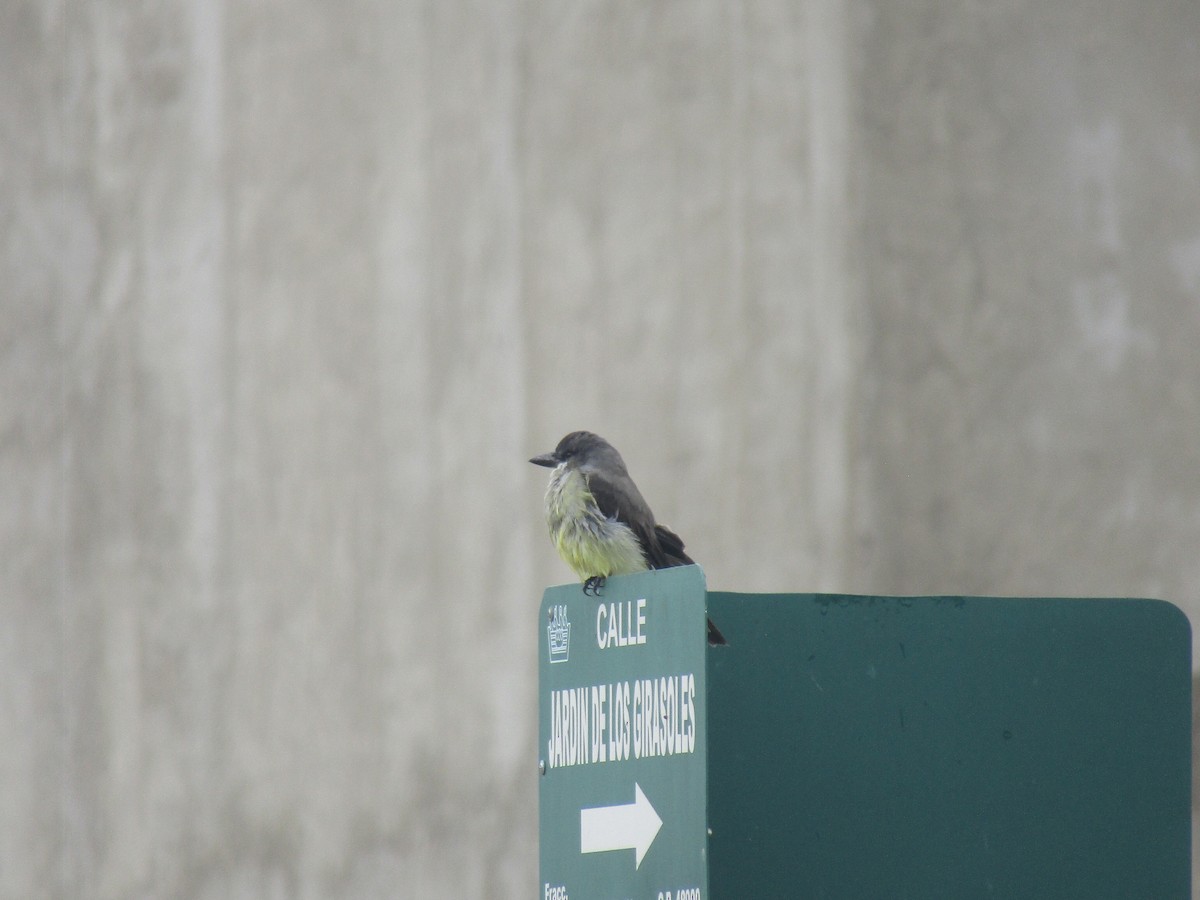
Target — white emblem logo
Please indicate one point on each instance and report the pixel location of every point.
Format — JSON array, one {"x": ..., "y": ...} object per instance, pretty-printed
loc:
[{"x": 559, "y": 634}]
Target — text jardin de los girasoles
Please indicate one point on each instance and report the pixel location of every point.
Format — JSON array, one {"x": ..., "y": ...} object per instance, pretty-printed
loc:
[{"x": 634, "y": 719}]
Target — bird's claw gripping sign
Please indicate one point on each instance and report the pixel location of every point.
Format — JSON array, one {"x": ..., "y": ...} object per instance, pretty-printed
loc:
[{"x": 622, "y": 744}]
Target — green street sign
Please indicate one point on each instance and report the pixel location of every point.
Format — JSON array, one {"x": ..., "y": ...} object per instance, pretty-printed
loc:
[
  {"x": 844, "y": 747},
  {"x": 622, "y": 739}
]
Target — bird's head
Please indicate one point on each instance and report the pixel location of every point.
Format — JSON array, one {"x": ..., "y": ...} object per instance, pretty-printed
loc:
[{"x": 582, "y": 450}]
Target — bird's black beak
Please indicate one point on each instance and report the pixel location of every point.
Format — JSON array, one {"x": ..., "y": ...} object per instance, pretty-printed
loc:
[{"x": 549, "y": 460}]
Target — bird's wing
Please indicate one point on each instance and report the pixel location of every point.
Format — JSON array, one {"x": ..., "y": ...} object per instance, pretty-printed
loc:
[
  {"x": 671, "y": 545},
  {"x": 620, "y": 499}
]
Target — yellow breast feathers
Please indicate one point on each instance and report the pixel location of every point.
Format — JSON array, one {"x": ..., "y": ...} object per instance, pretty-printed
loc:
[{"x": 591, "y": 543}]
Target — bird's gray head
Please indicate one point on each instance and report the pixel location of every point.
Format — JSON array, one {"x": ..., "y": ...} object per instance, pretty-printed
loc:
[{"x": 583, "y": 450}]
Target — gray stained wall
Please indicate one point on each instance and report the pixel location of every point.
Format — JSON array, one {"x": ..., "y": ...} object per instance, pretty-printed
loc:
[{"x": 895, "y": 297}]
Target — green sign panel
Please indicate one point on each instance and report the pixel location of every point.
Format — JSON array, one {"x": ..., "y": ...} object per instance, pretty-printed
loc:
[
  {"x": 622, "y": 739},
  {"x": 945, "y": 748}
]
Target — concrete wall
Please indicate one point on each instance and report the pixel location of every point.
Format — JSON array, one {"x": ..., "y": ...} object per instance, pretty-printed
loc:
[{"x": 894, "y": 297}]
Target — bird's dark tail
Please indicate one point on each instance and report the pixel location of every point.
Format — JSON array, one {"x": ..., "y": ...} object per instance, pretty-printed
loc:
[{"x": 669, "y": 552}]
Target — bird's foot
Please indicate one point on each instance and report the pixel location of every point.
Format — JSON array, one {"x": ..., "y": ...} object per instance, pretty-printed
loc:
[{"x": 592, "y": 585}]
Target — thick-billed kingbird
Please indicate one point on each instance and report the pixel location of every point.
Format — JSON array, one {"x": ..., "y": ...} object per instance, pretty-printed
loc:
[
  {"x": 598, "y": 519},
  {"x": 599, "y": 522}
]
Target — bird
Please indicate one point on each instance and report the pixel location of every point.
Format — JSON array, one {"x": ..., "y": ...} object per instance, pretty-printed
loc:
[{"x": 599, "y": 521}]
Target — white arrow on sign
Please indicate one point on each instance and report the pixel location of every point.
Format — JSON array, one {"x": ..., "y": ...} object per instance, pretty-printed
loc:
[{"x": 632, "y": 826}]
